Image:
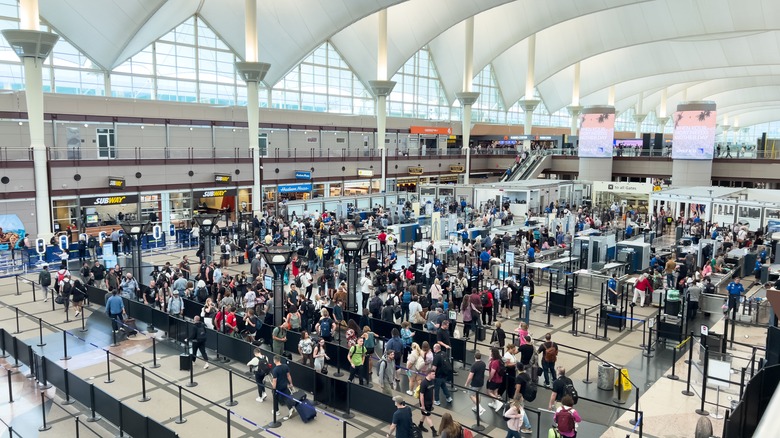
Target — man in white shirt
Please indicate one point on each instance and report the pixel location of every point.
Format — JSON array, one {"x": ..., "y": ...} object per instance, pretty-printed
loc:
[
  {"x": 414, "y": 309},
  {"x": 306, "y": 283},
  {"x": 365, "y": 291}
]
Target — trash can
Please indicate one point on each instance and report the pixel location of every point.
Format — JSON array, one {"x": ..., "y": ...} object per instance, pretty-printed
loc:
[{"x": 606, "y": 377}]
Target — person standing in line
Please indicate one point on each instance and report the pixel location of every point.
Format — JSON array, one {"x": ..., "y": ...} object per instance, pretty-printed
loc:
[
  {"x": 356, "y": 358},
  {"x": 495, "y": 379},
  {"x": 282, "y": 383},
  {"x": 44, "y": 280},
  {"x": 566, "y": 417},
  {"x": 475, "y": 381},
  {"x": 197, "y": 336},
  {"x": 549, "y": 352},
  {"x": 694, "y": 293},
  {"x": 402, "y": 419},
  {"x": 516, "y": 418},
  {"x": 559, "y": 388},
  {"x": 426, "y": 402},
  {"x": 443, "y": 370},
  {"x": 386, "y": 371},
  {"x": 261, "y": 369},
  {"x": 115, "y": 308}
]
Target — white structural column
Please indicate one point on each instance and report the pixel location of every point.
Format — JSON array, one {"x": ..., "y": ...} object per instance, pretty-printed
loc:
[
  {"x": 528, "y": 103},
  {"x": 468, "y": 97},
  {"x": 381, "y": 88},
  {"x": 639, "y": 117},
  {"x": 663, "y": 117},
  {"x": 33, "y": 47},
  {"x": 253, "y": 72},
  {"x": 575, "y": 109},
  {"x": 611, "y": 96}
]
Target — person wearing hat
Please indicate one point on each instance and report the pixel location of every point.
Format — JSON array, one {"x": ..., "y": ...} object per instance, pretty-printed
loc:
[
  {"x": 401, "y": 426},
  {"x": 175, "y": 304}
]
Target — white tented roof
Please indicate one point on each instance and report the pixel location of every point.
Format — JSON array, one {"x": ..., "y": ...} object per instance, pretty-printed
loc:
[{"x": 722, "y": 50}]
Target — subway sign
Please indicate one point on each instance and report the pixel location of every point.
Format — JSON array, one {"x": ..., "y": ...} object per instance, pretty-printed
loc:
[
  {"x": 214, "y": 193},
  {"x": 457, "y": 169},
  {"x": 222, "y": 178},
  {"x": 415, "y": 171},
  {"x": 116, "y": 183},
  {"x": 109, "y": 200}
]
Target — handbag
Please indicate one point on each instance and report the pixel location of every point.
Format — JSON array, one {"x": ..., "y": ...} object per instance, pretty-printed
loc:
[
  {"x": 59, "y": 299},
  {"x": 324, "y": 370}
]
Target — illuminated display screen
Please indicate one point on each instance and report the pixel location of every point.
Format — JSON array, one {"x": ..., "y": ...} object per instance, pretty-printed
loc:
[
  {"x": 694, "y": 135},
  {"x": 596, "y": 134}
]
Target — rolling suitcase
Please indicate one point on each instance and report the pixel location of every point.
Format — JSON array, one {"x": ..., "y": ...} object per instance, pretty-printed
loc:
[
  {"x": 481, "y": 330},
  {"x": 185, "y": 362},
  {"x": 304, "y": 407},
  {"x": 241, "y": 259},
  {"x": 130, "y": 327}
]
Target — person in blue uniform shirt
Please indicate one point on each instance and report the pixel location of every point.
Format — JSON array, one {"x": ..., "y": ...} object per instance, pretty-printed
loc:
[
  {"x": 736, "y": 290},
  {"x": 612, "y": 293}
]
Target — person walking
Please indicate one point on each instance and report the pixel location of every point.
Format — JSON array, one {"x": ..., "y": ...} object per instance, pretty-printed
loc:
[
  {"x": 282, "y": 383},
  {"x": 115, "y": 308},
  {"x": 560, "y": 388},
  {"x": 641, "y": 288},
  {"x": 44, "y": 280},
  {"x": 475, "y": 381},
  {"x": 516, "y": 418},
  {"x": 386, "y": 371},
  {"x": 443, "y": 369},
  {"x": 549, "y": 352},
  {"x": 426, "y": 402},
  {"x": 197, "y": 336},
  {"x": 356, "y": 358},
  {"x": 566, "y": 417},
  {"x": 495, "y": 378},
  {"x": 401, "y": 426},
  {"x": 261, "y": 367}
]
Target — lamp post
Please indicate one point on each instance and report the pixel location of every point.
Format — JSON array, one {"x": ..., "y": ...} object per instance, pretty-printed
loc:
[
  {"x": 206, "y": 223},
  {"x": 352, "y": 244},
  {"x": 137, "y": 230},
  {"x": 277, "y": 257}
]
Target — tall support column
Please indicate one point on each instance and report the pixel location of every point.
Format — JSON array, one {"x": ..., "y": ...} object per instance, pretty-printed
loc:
[
  {"x": 528, "y": 103},
  {"x": 381, "y": 89},
  {"x": 638, "y": 119},
  {"x": 575, "y": 109},
  {"x": 33, "y": 47},
  {"x": 611, "y": 96},
  {"x": 574, "y": 112},
  {"x": 468, "y": 97},
  {"x": 253, "y": 72}
]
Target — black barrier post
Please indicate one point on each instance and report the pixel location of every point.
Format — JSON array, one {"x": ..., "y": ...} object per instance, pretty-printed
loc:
[
  {"x": 631, "y": 310},
  {"x": 636, "y": 408},
  {"x": 338, "y": 372},
  {"x": 477, "y": 326},
  {"x": 2, "y": 345},
  {"x": 231, "y": 402},
  {"x": 587, "y": 380},
  {"x": 32, "y": 286},
  {"x": 93, "y": 417},
  {"x": 274, "y": 422},
  {"x": 10, "y": 387},
  {"x": 121, "y": 422},
  {"x": 688, "y": 391},
  {"x": 143, "y": 398},
  {"x": 603, "y": 309},
  {"x": 16, "y": 355},
  {"x": 77, "y": 426},
  {"x": 673, "y": 376},
  {"x": 154, "y": 354},
  {"x": 192, "y": 383},
  {"x": 618, "y": 400},
  {"x": 344, "y": 429},
  {"x": 53, "y": 299},
  {"x": 478, "y": 427},
  {"x": 347, "y": 414},
  {"x": 227, "y": 421},
  {"x": 181, "y": 419},
  {"x": 68, "y": 400},
  {"x": 702, "y": 411},
  {"x": 83, "y": 327},
  {"x": 113, "y": 336},
  {"x": 67, "y": 315},
  {"x": 649, "y": 352},
  {"x": 108, "y": 368},
  {"x": 549, "y": 310},
  {"x": 44, "y": 379},
  {"x": 16, "y": 278},
  {"x": 31, "y": 356},
  {"x": 733, "y": 328},
  {"x": 741, "y": 383},
  {"x": 44, "y": 427},
  {"x": 40, "y": 333},
  {"x": 65, "y": 346},
  {"x": 17, "y": 320}
]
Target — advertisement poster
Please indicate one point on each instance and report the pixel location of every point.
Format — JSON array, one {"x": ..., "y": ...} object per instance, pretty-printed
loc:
[
  {"x": 597, "y": 132},
  {"x": 694, "y": 135},
  {"x": 11, "y": 231}
]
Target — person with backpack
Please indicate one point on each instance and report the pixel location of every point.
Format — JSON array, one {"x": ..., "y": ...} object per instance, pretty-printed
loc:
[
  {"x": 443, "y": 367},
  {"x": 562, "y": 387},
  {"x": 486, "y": 298},
  {"x": 44, "y": 280},
  {"x": 325, "y": 326},
  {"x": 497, "y": 371},
  {"x": 375, "y": 306},
  {"x": 197, "y": 336},
  {"x": 356, "y": 357},
  {"x": 549, "y": 352},
  {"x": 566, "y": 418},
  {"x": 386, "y": 371},
  {"x": 406, "y": 299},
  {"x": 396, "y": 344},
  {"x": 260, "y": 367}
]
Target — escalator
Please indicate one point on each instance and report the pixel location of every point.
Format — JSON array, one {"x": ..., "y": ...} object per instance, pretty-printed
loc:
[{"x": 531, "y": 168}]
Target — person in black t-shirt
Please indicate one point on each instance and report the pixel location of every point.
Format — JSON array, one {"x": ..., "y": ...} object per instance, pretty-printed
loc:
[
  {"x": 476, "y": 380},
  {"x": 526, "y": 351},
  {"x": 559, "y": 388},
  {"x": 426, "y": 401},
  {"x": 282, "y": 383},
  {"x": 402, "y": 419}
]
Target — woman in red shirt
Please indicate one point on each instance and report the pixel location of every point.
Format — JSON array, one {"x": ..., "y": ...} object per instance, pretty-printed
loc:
[
  {"x": 641, "y": 287},
  {"x": 495, "y": 379}
]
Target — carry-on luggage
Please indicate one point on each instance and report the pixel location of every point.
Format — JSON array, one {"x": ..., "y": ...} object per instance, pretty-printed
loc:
[
  {"x": 129, "y": 327},
  {"x": 480, "y": 333},
  {"x": 241, "y": 259},
  {"x": 185, "y": 362},
  {"x": 304, "y": 407}
]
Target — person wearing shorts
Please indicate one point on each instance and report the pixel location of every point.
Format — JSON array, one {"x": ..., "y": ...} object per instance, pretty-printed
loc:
[
  {"x": 426, "y": 401},
  {"x": 475, "y": 380}
]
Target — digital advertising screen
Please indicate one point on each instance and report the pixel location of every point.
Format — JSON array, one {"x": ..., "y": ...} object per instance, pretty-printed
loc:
[
  {"x": 597, "y": 131},
  {"x": 694, "y": 134}
]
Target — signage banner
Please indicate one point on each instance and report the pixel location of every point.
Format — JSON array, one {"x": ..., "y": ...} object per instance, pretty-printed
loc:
[
  {"x": 213, "y": 193},
  {"x": 222, "y": 178},
  {"x": 694, "y": 132},
  {"x": 415, "y": 170},
  {"x": 430, "y": 130},
  {"x": 366, "y": 172},
  {"x": 622, "y": 187},
  {"x": 457, "y": 169},
  {"x": 295, "y": 188},
  {"x": 109, "y": 200},
  {"x": 116, "y": 183},
  {"x": 302, "y": 174},
  {"x": 596, "y": 135}
]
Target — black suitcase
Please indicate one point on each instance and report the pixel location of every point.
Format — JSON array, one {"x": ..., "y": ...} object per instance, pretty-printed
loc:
[
  {"x": 129, "y": 327},
  {"x": 241, "y": 259},
  {"x": 185, "y": 362},
  {"x": 481, "y": 330},
  {"x": 304, "y": 407},
  {"x": 287, "y": 355}
]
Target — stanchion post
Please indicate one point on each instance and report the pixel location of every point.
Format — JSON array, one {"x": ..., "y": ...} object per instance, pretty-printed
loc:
[
  {"x": 618, "y": 400},
  {"x": 40, "y": 333},
  {"x": 181, "y": 419},
  {"x": 65, "y": 346},
  {"x": 478, "y": 427},
  {"x": 648, "y": 352},
  {"x": 2, "y": 345},
  {"x": 68, "y": 400},
  {"x": 154, "y": 353},
  {"x": 93, "y": 415},
  {"x": 231, "y": 402},
  {"x": 43, "y": 383},
  {"x": 78, "y": 426},
  {"x": 673, "y": 376},
  {"x": 344, "y": 429},
  {"x": 114, "y": 343},
  {"x": 348, "y": 414},
  {"x": 192, "y": 383},
  {"x": 33, "y": 364},
  {"x": 701, "y": 410},
  {"x": 688, "y": 391},
  {"x": 338, "y": 372},
  {"x": 549, "y": 310},
  {"x": 227, "y": 421},
  {"x": 274, "y": 422},
  {"x": 44, "y": 427},
  {"x": 636, "y": 408},
  {"x": 32, "y": 286},
  {"x": 143, "y": 397},
  {"x": 16, "y": 309},
  {"x": 587, "y": 380},
  {"x": 10, "y": 387},
  {"x": 108, "y": 368},
  {"x": 83, "y": 328}
]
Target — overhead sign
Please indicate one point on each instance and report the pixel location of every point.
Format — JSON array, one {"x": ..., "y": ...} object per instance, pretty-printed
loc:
[
  {"x": 415, "y": 170},
  {"x": 622, "y": 187},
  {"x": 295, "y": 188},
  {"x": 213, "y": 193},
  {"x": 302, "y": 174},
  {"x": 366, "y": 172},
  {"x": 109, "y": 200},
  {"x": 222, "y": 178},
  {"x": 705, "y": 331},
  {"x": 457, "y": 169},
  {"x": 116, "y": 183},
  {"x": 430, "y": 130}
]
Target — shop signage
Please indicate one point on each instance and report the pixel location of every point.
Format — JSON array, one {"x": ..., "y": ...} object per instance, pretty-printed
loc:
[
  {"x": 366, "y": 172},
  {"x": 222, "y": 178},
  {"x": 109, "y": 200},
  {"x": 302, "y": 174},
  {"x": 295, "y": 188},
  {"x": 214, "y": 193},
  {"x": 521, "y": 137},
  {"x": 116, "y": 183},
  {"x": 415, "y": 171},
  {"x": 149, "y": 198},
  {"x": 430, "y": 130},
  {"x": 622, "y": 187},
  {"x": 457, "y": 169}
]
